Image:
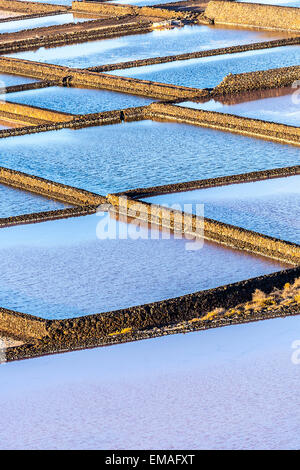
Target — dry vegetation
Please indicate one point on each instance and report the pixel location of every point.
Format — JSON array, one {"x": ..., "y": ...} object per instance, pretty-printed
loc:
[{"x": 288, "y": 297}]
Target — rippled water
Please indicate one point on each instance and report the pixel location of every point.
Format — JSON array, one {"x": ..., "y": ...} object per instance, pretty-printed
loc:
[
  {"x": 207, "y": 72},
  {"x": 13, "y": 26},
  {"x": 153, "y": 44},
  {"x": 173, "y": 392},
  {"x": 60, "y": 269},
  {"x": 136, "y": 154},
  {"x": 16, "y": 202},
  {"x": 271, "y": 207},
  {"x": 77, "y": 100},
  {"x": 283, "y": 108},
  {"x": 10, "y": 80}
]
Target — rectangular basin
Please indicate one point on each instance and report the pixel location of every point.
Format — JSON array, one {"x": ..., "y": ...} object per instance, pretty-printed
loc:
[
  {"x": 81, "y": 266},
  {"x": 207, "y": 72},
  {"x": 77, "y": 100},
  {"x": 154, "y": 44},
  {"x": 112, "y": 158}
]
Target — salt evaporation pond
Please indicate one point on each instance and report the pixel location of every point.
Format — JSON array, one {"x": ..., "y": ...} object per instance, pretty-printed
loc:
[
  {"x": 280, "y": 106},
  {"x": 16, "y": 202},
  {"x": 61, "y": 269},
  {"x": 11, "y": 80},
  {"x": 41, "y": 22},
  {"x": 140, "y": 154},
  {"x": 224, "y": 388},
  {"x": 207, "y": 72},
  {"x": 271, "y": 207},
  {"x": 77, "y": 100},
  {"x": 154, "y": 44}
]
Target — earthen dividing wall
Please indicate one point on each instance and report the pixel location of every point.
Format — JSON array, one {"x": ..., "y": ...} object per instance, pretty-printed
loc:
[
  {"x": 113, "y": 9},
  {"x": 39, "y": 217},
  {"x": 23, "y": 326},
  {"x": 253, "y": 14},
  {"x": 263, "y": 79},
  {"x": 31, "y": 7},
  {"x": 24, "y": 111}
]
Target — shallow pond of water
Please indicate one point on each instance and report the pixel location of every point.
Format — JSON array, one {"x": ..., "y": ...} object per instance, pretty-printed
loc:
[
  {"x": 271, "y": 207},
  {"x": 11, "y": 80},
  {"x": 281, "y": 106},
  {"x": 154, "y": 44},
  {"x": 139, "y": 154},
  {"x": 16, "y": 202},
  {"x": 77, "y": 100},
  {"x": 207, "y": 72},
  {"x": 61, "y": 269},
  {"x": 41, "y": 22}
]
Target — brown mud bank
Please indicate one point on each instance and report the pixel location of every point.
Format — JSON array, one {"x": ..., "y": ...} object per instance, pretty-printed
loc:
[{"x": 31, "y": 7}]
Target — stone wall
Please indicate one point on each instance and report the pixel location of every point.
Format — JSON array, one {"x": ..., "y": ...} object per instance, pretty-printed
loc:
[
  {"x": 263, "y": 79},
  {"x": 38, "y": 217},
  {"x": 24, "y": 111},
  {"x": 113, "y": 9},
  {"x": 22, "y": 326},
  {"x": 253, "y": 14},
  {"x": 31, "y": 7}
]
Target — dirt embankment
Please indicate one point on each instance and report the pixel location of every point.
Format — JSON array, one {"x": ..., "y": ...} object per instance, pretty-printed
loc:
[
  {"x": 31, "y": 7},
  {"x": 253, "y": 15}
]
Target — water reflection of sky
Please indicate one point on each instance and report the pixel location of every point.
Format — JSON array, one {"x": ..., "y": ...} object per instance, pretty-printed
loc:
[
  {"x": 140, "y": 46},
  {"x": 60, "y": 269}
]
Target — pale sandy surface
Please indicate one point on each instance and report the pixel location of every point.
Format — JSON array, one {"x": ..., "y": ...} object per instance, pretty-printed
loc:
[{"x": 8, "y": 342}]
